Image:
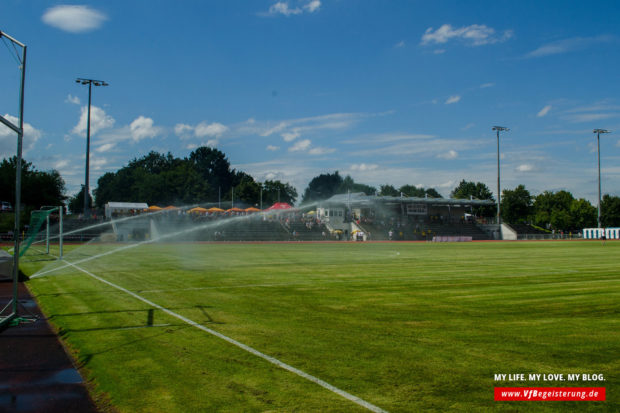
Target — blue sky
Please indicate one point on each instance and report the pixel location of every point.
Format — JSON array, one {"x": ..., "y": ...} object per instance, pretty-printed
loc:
[{"x": 398, "y": 92}]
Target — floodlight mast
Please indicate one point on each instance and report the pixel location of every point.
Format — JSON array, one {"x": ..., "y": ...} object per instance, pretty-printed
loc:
[
  {"x": 598, "y": 158},
  {"x": 499, "y": 191},
  {"x": 90, "y": 83},
  {"x": 19, "y": 129}
]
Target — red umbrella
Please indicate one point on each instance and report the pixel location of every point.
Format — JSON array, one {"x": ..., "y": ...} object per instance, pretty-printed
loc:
[{"x": 278, "y": 206}]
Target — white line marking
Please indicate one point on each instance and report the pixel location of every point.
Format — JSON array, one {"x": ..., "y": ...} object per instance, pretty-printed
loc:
[{"x": 247, "y": 348}]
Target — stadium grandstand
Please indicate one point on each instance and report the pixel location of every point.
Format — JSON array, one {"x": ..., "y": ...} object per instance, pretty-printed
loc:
[{"x": 359, "y": 216}]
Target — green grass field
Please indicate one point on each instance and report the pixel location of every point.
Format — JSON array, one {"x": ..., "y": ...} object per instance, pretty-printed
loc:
[{"x": 407, "y": 327}]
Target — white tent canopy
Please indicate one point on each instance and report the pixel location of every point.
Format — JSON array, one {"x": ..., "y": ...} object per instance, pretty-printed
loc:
[{"x": 123, "y": 207}]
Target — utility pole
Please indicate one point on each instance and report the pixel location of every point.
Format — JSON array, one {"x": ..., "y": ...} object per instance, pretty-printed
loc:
[
  {"x": 499, "y": 189},
  {"x": 598, "y": 158},
  {"x": 90, "y": 83}
]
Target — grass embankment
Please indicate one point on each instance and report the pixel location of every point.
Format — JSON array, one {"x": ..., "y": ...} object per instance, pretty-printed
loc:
[{"x": 407, "y": 327}]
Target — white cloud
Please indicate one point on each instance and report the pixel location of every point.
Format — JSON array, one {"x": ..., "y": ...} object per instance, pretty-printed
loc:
[
  {"x": 468, "y": 126},
  {"x": 300, "y": 146},
  {"x": 589, "y": 117},
  {"x": 451, "y": 154},
  {"x": 8, "y": 138},
  {"x": 278, "y": 128},
  {"x": 486, "y": 85},
  {"x": 526, "y": 167},
  {"x": 74, "y": 18},
  {"x": 448, "y": 184},
  {"x": 291, "y": 129},
  {"x": 203, "y": 129},
  {"x": 598, "y": 111},
  {"x": 321, "y": 151},
  {"x": 568, "y": 45},
  {"x": 72, "y": 99},
  {"x": 105, "y": 147},
  {"x": 364, "y": 167},
  {"x": 452, "y": 99},
  {"x": 181, "y": 129},
  {"x": 313, "y": 6},
  {"x": 400, "y": 44},
  {"x": 423, "y": 146},
  {"x": 383, "y": 138},
  {"x": 290, "y": 136},
  {"x": 61, "y": 164},
  {"x": 98, "y": 163},
  {"x": 142, "y": 127},
  {"x": 214, "y": 130},
  {"x": 474, "y": 35},
  {"x": 544, "y": 111},
  {"x": 212, "y": 143},
  {"x": 439, "y": 51},
  {"x": 283, "y": 8},
  {"x": 98, "y": 120},
  {"x": 272, "y": 148}
]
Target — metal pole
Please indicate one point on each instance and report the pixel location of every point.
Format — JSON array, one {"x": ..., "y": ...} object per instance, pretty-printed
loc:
[
  {"x": 598, "y": 158},
  {"x": 18, "y": 182},
  {"x": 47, "y": 234},
  {"x": 86, "y": 191},
  {"x": 499, "y": 190},
  {"x": 261, "y": 197},
  {"x": 61, "y": 210},
  {"x": 219, "y": 197}
]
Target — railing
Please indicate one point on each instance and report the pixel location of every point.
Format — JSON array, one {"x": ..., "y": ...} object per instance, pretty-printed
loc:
[{"x": 548, "y": 236}]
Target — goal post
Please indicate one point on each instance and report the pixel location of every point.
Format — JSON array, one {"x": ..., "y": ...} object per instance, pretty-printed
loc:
[
  {"x": 36, "y": 234},
  {"x": 19, "y": 130}
]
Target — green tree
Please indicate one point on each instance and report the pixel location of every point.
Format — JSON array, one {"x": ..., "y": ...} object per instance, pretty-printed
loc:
[
  {"x": 276, "y": 190},
  {"x": 323, "y": 186},
  {"x": 349, "y": 185},
  {"x": 38, "y": 188},
  {"x": 246, "y": 189},
  {"x": 516, "y": 205},
  {"x": 432, "y": 193},
  {"x": 583, "y": 214},
  {"x": 476, "y": 190},
  {"x": 76, "y": 202},
  {"x": 159, "y": 179},
  {"x": 412, "y": 191},
  {"x": 610, "y": 211},
  {"x": 214, "y": 167},
  {"x": 388, "y": 190},
  {"x": 561, "y": 211},
  {"x": 561, "y": 219}
]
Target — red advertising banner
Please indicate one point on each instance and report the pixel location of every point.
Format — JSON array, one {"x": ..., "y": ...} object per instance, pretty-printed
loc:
[{"x": 549, "y": 393}]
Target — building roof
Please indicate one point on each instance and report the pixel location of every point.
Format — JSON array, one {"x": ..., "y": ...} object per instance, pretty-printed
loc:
[
  {"x": 127, "y": 205},
  {"x": 361, "y": 199}
]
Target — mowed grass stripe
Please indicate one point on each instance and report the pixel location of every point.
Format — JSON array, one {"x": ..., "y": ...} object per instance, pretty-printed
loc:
[{"x": 422, "y": 330}]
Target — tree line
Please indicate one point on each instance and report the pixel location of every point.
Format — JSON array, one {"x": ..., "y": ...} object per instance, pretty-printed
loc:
[
  {"x": 39, "y": 188},
  {"x": 557, "y": 210},
  {"x": 326, "y": 185},
  {"x": 206, "y": 176}
]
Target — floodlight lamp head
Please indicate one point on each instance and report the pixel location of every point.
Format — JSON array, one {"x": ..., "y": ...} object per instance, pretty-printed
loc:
[
  {"x": 601, "y": 131},
  {"x": 500, "y": 128}
]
